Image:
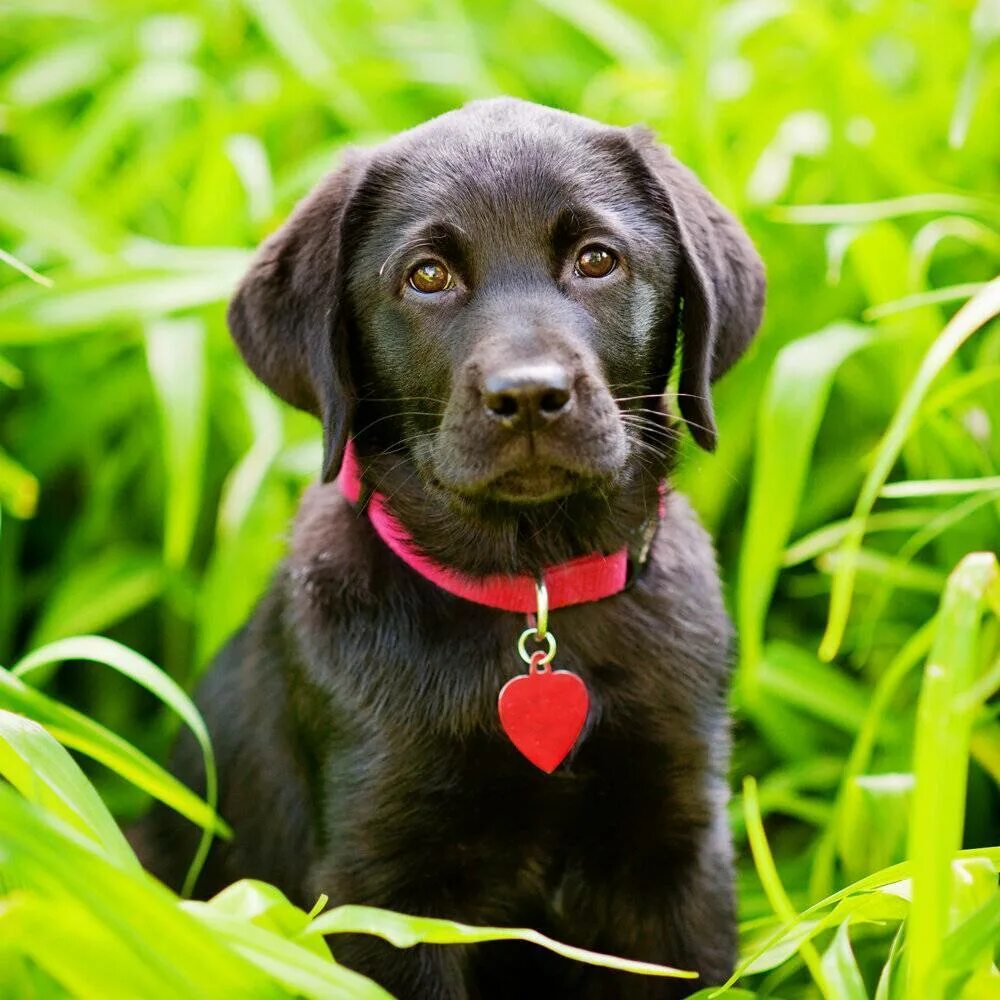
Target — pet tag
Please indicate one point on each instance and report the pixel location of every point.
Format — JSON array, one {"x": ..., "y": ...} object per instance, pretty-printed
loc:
[{"x": 543, "y": 711}]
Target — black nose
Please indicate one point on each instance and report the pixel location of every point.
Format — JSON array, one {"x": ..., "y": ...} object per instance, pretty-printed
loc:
[{"x": 528, "y": 396}]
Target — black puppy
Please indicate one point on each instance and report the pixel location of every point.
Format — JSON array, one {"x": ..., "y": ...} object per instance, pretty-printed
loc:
[{"x": 489, "y": 306}]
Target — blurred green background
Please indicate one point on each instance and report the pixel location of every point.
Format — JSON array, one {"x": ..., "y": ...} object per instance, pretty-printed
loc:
[{"x": 147, "y": 482}]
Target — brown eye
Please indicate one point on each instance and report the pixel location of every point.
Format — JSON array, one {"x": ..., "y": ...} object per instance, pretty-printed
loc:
[
  {"x": 595, "y": 262},
  {"x": 429, "y": 277}
]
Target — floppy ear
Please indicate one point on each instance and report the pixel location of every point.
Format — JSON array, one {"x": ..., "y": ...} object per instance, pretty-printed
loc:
[
  {"x": 286, "y": 315},
  {"x": 721, "y": 280}
]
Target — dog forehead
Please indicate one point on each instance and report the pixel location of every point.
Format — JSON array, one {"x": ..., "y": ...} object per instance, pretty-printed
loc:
[
  {"x": 498, "y": 161},
  {"x": 498, "y": 135}
]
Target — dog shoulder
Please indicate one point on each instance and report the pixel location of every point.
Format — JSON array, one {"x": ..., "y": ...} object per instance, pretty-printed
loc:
[
  {"x": 331, "y": 557},
  {"x": 683, "y": 551},
  {"x": 682, "y": 578}
]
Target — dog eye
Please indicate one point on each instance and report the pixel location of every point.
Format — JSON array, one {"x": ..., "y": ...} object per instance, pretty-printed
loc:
[
  {"x": 595, "y": 261},
  {"x": 430, "y": 276}
]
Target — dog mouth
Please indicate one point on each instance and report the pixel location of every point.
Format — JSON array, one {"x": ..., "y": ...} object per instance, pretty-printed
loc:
[
  {"x": 535, "y": 483},
  {"x": 525, "y": 470}
]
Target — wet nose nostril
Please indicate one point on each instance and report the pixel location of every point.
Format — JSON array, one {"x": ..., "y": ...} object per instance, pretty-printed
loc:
[
  {"x": 502, "y": 404},
  {"x": 553, "y": 401},
  {"x": 527, "y": 396}
]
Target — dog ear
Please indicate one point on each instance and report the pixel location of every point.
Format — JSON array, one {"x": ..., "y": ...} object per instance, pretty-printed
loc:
[
  {"x": 287, "y": 313},
  {"x": 721, "y": 282}
]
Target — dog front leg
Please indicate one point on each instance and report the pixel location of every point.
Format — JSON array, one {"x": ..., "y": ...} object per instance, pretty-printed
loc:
[
  {"x": 423, "y": 972},
  {"x": 667, "y": 906}
]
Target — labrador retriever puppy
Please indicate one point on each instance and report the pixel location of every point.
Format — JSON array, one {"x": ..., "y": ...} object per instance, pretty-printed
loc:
[{"x": 486, "y": 311}]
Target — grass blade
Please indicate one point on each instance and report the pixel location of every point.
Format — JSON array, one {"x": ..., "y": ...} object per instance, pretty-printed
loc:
[
  {"x": 405, "y": 931},
  {"x": 877, "y": 880},
  {"x": 771, "y": 881},
  {"x": 52, "y": 219},
  {"x": 886, "y": 978},
  {"x": 28, "y": 272},
  {"x": 268, "y": 907},
  {"x": 78, "y": 951},
  {"x": 18, "y": 487},
  {"x": 135, "y": 909},
  {"x": 935, "y": 297},
  {"x": 43, "y": 772},
  {"x": 841, "y": 967},
  {"x": 97, "y": 649},
  {"x": 830, "y": 535},
  {"x": 299, "y": 970},
  {"x": 820, "y": 882},
  {"x": 795, "y": 676},
  {"x": 75, "y": 730},
  {"x": 941, "y": 760},
  {"x": 888, "y": 208},
  {"x": 175, "y": 354},
  {"x": 790, "y": 414},
  {"x": 940, "y": 487},
  {"x": 29, "y": 314},
  {"x": 978, "y": 311},
  {"x": 97, "y": 594},
  {"x": 974, "y": 939},
  {"x": 609, "y": 28}
]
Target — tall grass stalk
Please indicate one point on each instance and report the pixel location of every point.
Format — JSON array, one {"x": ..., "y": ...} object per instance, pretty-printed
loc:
[{"x": 147, "y": 483}]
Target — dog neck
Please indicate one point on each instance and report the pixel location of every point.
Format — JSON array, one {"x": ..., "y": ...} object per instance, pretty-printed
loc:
[{"x": 489, "y": 539}]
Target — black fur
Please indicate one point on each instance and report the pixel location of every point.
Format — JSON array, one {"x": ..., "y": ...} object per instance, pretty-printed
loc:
[{"x": 354, "y": 717}]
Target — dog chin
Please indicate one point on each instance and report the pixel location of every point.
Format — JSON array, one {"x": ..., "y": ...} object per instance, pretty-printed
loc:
[
  {"x": 532, "y": 484},
  {"x": 525, "y": 483}
]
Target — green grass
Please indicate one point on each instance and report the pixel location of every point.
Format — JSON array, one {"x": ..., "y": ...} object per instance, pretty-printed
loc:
[{"x": 147, "y": 482}]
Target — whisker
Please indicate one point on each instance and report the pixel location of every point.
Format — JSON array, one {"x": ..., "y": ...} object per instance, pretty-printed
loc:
[
  {"x": 399, "y": 399},
  {"x": 687, "y": 395},
  {"x": 639, "y": 414},
  {"x": 389, "y": 416},
  {"x": 666, "y": 394},
  {"x": 404, "y": 443},
  {"x": 692, "y": 423},
  {"x": 644, "y": 423}
]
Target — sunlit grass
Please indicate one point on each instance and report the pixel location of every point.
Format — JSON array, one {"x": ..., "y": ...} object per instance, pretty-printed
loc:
[{"x": 147, "y": 483}]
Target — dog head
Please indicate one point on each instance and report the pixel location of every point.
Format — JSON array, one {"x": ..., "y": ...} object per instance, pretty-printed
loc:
[{"x": 495, "y": 298}]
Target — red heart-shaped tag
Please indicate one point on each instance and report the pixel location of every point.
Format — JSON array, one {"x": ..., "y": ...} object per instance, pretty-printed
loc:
[{"x": 543, "y": 712}]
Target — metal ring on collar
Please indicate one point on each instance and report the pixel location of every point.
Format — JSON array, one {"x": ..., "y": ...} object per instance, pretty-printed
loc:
[{"x": 548, "y": 637}]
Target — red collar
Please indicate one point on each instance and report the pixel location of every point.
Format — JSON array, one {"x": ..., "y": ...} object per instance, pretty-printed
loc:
[{"x": 586, "y": 578}]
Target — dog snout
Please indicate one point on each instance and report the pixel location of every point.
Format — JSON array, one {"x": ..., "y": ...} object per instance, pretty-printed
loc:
[{"x": 528, "y": 397}]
